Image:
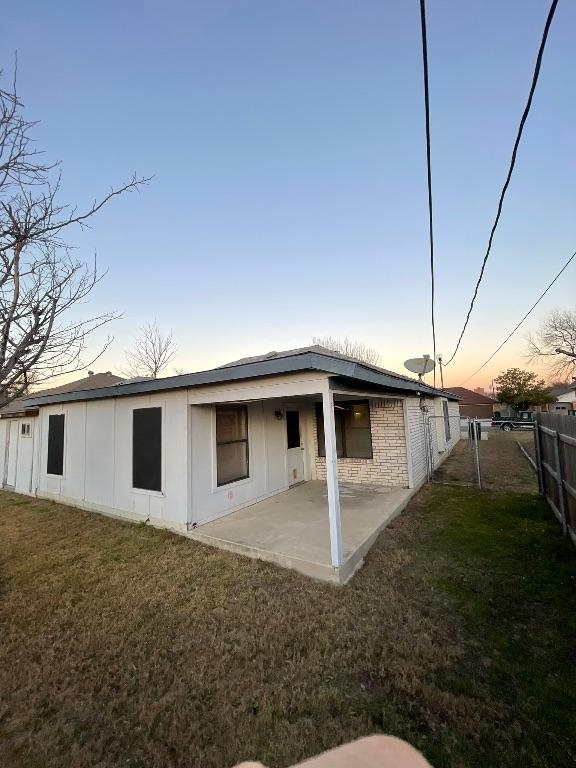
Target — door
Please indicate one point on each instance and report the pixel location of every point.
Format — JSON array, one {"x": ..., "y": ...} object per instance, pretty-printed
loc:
[
  {"x": 295, "y": 448},
  {"x": 12, "y": 453}
]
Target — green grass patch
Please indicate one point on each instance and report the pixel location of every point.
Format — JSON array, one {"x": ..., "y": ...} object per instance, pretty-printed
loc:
[{"x": 513, "y": 579}]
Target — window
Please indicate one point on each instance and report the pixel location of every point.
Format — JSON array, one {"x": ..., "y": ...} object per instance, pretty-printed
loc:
[
  {"x": 147, "y": 449},
  {"x": 25, "y": 429},
  {"x": 293, "y": 429},
  {"x": 55, "y": 463},
  {"x": 447, "y": 431},
  {"x": 231, "y": 443},
  {"x": 353, "y": 433}
]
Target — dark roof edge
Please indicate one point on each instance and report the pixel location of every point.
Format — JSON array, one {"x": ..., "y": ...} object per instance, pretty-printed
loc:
[
  {"x": 22, "y": 413},
  {"x": 309, "y": 361}
]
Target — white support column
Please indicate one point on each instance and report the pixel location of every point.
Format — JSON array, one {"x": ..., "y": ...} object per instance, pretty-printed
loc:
[{"x": 332, "y": 477}]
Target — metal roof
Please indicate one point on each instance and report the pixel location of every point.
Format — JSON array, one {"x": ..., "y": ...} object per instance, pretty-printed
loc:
[{"x": 307, "y": 359}]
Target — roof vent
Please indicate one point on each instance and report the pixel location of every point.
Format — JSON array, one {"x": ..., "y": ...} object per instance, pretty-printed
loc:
[
  {"x": 90, "y": 373},
  {"x": 270, "y": 355}
]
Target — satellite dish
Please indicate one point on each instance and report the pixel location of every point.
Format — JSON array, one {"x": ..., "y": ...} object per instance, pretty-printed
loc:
[{"x": 420, "y": 365}]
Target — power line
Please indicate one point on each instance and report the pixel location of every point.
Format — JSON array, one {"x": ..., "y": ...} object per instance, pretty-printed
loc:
[
  {"x": 510, "y": 169},
  {"x": 429, "y": 170},
  {"x": 521, "y": 321}
]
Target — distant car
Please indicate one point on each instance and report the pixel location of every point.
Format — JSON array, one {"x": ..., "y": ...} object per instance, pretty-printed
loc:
[{"x": 522, "y": 420}]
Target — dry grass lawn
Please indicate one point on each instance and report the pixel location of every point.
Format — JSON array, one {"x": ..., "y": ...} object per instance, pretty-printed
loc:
[{"x": 122, "y": 645}]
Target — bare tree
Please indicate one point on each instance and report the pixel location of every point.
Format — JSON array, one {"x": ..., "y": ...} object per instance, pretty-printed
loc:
[
  {"x": 40, "y": 281},
  {"x": 554, "y": 343},
  {"x": 356, "y": 349},
  {"x": 153, "y": 351}
]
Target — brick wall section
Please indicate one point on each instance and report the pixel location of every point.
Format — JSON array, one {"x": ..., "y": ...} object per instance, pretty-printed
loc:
[{"x": 388, "y": 465}]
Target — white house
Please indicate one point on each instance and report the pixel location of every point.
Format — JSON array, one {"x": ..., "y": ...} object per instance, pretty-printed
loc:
[
  {"x": 565, "y": 400},
  {"x": 299, "y": 457}
]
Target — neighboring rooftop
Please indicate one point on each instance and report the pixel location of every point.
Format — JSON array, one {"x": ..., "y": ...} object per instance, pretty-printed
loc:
[
  {"x": 563, "y": 390},
  {"x": 469, "y": 397},
  {"x": 313, "y": 358},
  {"x": 92, "y": 381}
]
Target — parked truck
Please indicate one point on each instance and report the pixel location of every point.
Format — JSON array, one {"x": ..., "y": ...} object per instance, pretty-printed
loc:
[{"x": 522, "y": 420}]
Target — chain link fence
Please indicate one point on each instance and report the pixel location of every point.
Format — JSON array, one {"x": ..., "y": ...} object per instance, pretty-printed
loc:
[{"x": 463, "y": 465}]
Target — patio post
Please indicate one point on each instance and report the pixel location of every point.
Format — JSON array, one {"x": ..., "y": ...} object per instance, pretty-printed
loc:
[{"x": 332, "y": 477}]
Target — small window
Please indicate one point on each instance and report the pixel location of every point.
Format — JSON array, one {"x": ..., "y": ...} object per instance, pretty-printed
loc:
[
  {"x": 293, "y": 429},
  {"x": 25, "y": 429},
  {"x": 447, "y": 430},
  {"x": 353, "y": 431},
  {"x": 147, "y": 449},
  {"x": 231, "y": 443},
  {"x": 55, "y": 463}
]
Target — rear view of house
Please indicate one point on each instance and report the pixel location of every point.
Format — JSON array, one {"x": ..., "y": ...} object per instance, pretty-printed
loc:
[{"x": 300, "y": 457}]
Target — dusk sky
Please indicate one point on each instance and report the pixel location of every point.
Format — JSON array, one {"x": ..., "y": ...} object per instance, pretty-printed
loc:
[{"x": 286, "y": 141}]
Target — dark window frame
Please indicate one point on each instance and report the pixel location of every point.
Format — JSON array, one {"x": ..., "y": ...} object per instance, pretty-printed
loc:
[
  {"x": 291, "y": 441},
  {"x": 153, "y": 470},
  {"x": 246, "y": 440},
  {"x": 56, "y": 444},
  {"x": 340, "y": 419},
  {"x": 447, "y": 426}
]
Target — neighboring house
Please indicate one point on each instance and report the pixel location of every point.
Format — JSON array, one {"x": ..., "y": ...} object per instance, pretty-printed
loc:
[
  {"x": 565, "y": 400},
  {"x": 475, "y": 405},
  {"x": 191, "y": 452}
]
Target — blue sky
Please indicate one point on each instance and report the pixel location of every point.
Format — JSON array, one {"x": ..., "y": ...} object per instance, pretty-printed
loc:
[{"x": 286, "y": 141}]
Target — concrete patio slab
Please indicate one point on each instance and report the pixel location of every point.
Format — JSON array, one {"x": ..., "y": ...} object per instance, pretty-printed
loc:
[{"x": 291, "y": 528}]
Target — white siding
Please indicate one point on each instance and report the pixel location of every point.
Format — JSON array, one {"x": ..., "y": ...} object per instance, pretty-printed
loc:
[
  {"x": 98, "y": 459},
  {"x": 99, "y": 476},
  {"x": 24, "y": 466},
  {"x": 416, "y": 431},
  {"x": 4, "y": 426},
  {"x": 12, "y": 458},
  {"x": 17, "y": 454},
  {"x": 267, "y": 459},
  {"x": 416, "y": 427}
]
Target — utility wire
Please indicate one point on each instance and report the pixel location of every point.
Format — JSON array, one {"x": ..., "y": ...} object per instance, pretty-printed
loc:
[
  {"x": 510, "y": 169},
  {"x": 521, "y": 321},
  {"x": 429, "y": 170}
]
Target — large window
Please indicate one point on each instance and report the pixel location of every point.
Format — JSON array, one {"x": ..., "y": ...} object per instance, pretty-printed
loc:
[
  {"x": 353, "y": 433},
  {"x": 231, "y": 443},
  {"x": 447, "y": 430},
  {"x": 55, "y": 463},
  {"x": 147, "y": 449}
]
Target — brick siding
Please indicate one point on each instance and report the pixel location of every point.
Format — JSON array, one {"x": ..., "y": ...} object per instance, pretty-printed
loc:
[{"x": 388, "y": 465}]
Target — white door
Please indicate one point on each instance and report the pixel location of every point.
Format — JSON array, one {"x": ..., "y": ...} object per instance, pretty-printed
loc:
[
  {"x": 295, "y": 448},
  {"x": 12, "y": 453}
]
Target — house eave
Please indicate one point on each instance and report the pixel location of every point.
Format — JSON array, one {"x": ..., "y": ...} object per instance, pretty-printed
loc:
[
  {"x": 309, "y": 361},
  {"x": 24, "y": 413}
]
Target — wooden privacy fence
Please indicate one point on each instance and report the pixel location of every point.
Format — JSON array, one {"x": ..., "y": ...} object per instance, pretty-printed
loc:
[{"x": 555, "y": 444}]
